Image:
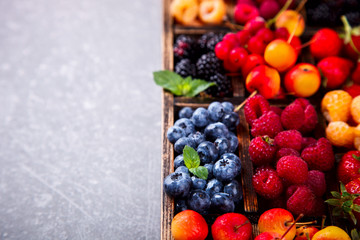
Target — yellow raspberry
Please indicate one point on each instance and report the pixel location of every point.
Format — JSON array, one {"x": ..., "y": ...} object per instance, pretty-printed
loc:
[
  {"x": 340, "y": 134},
  {"x": 335, "y": 106},
  {"x": 355, "y": 109}
]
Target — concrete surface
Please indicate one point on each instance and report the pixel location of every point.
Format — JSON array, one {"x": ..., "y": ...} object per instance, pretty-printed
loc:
[{"x": 80, "y": 119}]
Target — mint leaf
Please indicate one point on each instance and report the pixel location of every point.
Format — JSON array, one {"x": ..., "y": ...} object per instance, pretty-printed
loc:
[
  {"x": 180, "y": 86},
  {"x": 356, "y": 157},
  {"x": 169, "y": 80},
  {"x": 333, "y": 202},
  {"x": 356, "y": 208},
  {"x": 191, "y": 157},
  {"x": 342, "y": 188},
  {"x": 335, "y": 194},
  {"x": 200, "y": 172},
  {"x": 197, "y": 86}
]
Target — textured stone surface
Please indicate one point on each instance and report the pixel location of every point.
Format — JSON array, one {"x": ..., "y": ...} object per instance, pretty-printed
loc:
[{"x": 80, "y": 119}]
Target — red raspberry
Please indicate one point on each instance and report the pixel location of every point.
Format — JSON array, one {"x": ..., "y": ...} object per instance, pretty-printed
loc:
[
  {"x": 293, "y": 169},
  {"x": 276, "y": 110},
  {"x": 319, "y": 156},
  {"x": 349, "y": 167},
  {"x": 268, "y": 124},
  {"x": 255, "y": 107},
  {"x": 316, "y": 182},
  {"x": 293, "y": 117},
  {"x": 262, "y": 150},
  {"x": 267, "y": 183},
  {"x": 301, "y": 200},
  {"x": 289, "y": 139},
  {"x": 282, "y": 152},
  {"x": 307, "y": 141},
  {"x": 311, "y": 118}
]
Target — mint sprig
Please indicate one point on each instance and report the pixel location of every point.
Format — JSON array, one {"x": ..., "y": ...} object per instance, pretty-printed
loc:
[
  {"x": 192, "y": 162},
  {"x": 180, "y": 86}
]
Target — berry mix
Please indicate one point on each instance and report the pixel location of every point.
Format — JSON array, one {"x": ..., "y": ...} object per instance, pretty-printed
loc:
[{"x": 206, "y": 167}]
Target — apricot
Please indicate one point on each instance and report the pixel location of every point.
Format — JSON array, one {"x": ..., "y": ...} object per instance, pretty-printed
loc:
[
  {"x": 212, "y": 11},
  {"x": 184, "y": 11}
]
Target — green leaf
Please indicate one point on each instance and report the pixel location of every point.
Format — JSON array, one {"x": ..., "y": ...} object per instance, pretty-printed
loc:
[
  {"x": 348, "y": 203},
  {"x": 169, "y": 80},
  {"x": 346, "y": 194},
  {"x": 356, "y": 208},
  {"x": 342, "y": 188},
  {"x": 200, "y": 172},
  {"x": 337, "y": 211},
  {"x": 356, "y": 157},
  {"x": 355, "y": 234},
  {"x": 335, "y": 194},
  {"x": 333, "y": 202},
  {"x": 347, "y": 209},
  {"x": 197, "y": 86},
  {"x": 353, "y": 218},
  {"x": 191, "y": 157}
]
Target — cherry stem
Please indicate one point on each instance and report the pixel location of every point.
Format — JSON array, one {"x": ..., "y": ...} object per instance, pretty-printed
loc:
[
  {"x": 237, "y": 227},
  {"x": 283, "y": 9},
  {"x": 348, "y": 37},
  {"x": 293, "y": 32},
  {"x": 323, "y": 222},
  {"x": 300, "y": 6},
  {"x": 292, "y": 225},
  {"x": 234, "y": 27},
  {"x": 243, "y": 103},
  {"x": 306, "y": 44},
  {"x": 306, "y": 223}
]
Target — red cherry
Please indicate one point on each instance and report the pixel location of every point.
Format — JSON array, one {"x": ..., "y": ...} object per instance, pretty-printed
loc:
[
  {"x": 222, "y": 50},
  {"x": 255, "y": 24},
  {"x": 252, "y": 61},
  {"x": 238, "y": 56},
  {"x": 256, "y": 45},
  {"x": 266, "y": 34},
  {"x": 296, "y": 43},
  {"x": 282, "y": 33},
  {"x": 230, "y": 66},
  {"x": 243, "y": 37},
  {"x": 231, "y": 39}
]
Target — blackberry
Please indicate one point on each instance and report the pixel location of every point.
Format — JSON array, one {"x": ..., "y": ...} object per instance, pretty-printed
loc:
[
  {"x": 210, "y": 45},
  {"x": 223, "y": 86},
  {"x": 185, "y": 68},
  {"x": 208, "y": 65},
  {"x": 207, "y": 42},
  {"x": 184, "y": 47}
]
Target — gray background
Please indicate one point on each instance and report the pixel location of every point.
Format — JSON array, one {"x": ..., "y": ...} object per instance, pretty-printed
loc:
[{"x": 80, "y": 119}]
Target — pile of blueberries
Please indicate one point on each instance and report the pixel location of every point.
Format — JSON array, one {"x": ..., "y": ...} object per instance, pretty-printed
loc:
[{"x": 211, "y": 133}]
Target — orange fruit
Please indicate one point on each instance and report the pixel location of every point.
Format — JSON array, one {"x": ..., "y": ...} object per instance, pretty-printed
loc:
[
  {"x": 335, "y": 106},
  {"x": 357, "y": 137},
  {"x": 340, "y": 134},
  {"x": 355, "y": 109}
]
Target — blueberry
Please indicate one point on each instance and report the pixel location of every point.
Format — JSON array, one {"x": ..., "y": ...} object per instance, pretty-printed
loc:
[
  {"x": 225, "y": 170},
  {"x": 185, "y": 124},
  {"x": 177, "y": 184},
  {"x": 231, "y": 120},
  {"x": 216, "y": 130},
  {"x": 222, "y": 203},
  {"x": 199, "y": 201},
  {"x": 179, "y": 161},
  {"x": 198, "y": 137},
  {"x": 200, "y": 117},
  {"x": 222, "y": 145},
  {"x": 186, "y": 112},
  {"x": 213, "y": 186},
  {"x": 174, "y": 133},
  {"x": 182, "y": 142},
  {"x": 228, "y": 107},
  {"x": 234, "y": 189},
  {"x": 183, "y": 169},
  {"x": 198, "y": 183},
  {"x": 234, "y": 142},
  {"x": 233, "y": 157},
  {"x": 207, "y": 152},
  {"x": 209, "y": 167},
  {"x": 180, "y": 205},
  {"x": 216, "y": 111}
]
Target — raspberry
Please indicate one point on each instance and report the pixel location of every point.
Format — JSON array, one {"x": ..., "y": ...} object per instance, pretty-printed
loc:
[
  {"x": 208, "y": 65},
  {"x": 311, "y": 118},
  {"x": 335, "y": 106},
  {"x": 185, "y": 68},
  {"x": 184, "y": 47},
  {"x": 276, "y": 110},
  {"x": 340, "y": 134},
  {"x": 289, "y": 139},
  {"x": 282, "y": 152},
  {"x": 319, "y": 156},
  {"x": 262, "y": 150},
  {"x": 268, "y": 124},
  {"x": 355, "y": 109},
  {"x": 316, "y": 182},
  {"x": 301, "y": 200},
  {"x": 255, "y": 107},
  {"x": 223, "y": 86},
  {"x": 293, "y": 169},
  {"x": 293, "y": 117},
  {"x": 307, "y": 141},
  {"x": 267, "y": 183}
]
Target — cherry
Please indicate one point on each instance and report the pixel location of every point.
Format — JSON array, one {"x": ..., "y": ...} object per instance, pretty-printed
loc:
[
  {"x": 238, "y": 56},
  {"x": 255, "y": 24},
  {"x": 230, "y": 66},
  {"x": 266, "y": 34},
  {"x": 222, "y": 50},
  {"x": 243, "y": 37},
  {"x": 252, "y": 61},
  {"x": 282, "y": 33},
  {"x": 231, "y": 39},
  {"x": 256, "y": 45}
]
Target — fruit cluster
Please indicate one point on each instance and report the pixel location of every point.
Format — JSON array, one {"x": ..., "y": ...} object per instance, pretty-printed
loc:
[
  {"x": 196, "y": 58},
  {"x": 206, "y": 167},
  {"x": 290, "y": 167},
  {"x": 193, "y": 12}
]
